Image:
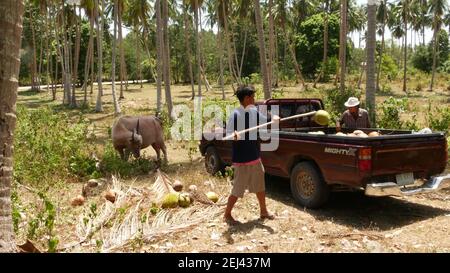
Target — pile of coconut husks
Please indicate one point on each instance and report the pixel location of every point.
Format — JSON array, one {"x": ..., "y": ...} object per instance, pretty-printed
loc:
[{"x": 144, "y": 213}]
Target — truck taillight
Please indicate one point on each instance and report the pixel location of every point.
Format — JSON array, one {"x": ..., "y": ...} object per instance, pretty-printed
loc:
[{"x": 365, "y": 159}]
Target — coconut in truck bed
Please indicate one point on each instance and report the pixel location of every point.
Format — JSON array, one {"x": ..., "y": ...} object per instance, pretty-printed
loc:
[{"x": 317, "y": 161}]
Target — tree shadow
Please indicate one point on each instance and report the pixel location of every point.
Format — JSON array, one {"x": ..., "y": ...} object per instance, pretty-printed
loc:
[
  {"x": 245, "y": 228},
  {"x": 356, "y": 210}
]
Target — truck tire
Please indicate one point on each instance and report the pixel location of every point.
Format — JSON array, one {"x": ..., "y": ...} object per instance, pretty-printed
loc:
[
  {"x": 307, "y": 185},
  {"x": 213, "y": 162}
]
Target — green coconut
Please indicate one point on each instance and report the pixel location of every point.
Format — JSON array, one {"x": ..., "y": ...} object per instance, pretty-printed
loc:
[
  {"x": 184, "y": 200},
  {"x": 322, "y": 117},
  {"x": 212, "y": 196},
  {"x": 170, "y": 200}
]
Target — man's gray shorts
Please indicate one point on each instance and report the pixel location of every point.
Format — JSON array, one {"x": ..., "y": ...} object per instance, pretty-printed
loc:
[{"x": 248, "y": 177}]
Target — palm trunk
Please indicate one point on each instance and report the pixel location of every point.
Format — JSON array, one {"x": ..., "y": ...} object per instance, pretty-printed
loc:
[
  {"x": 290, "y": 48},
  {"x": 11, "y": 12},
  {"x": 236, "y": 62},
  {"x": 371, "y": 48},
  {"x": 123, "y": 69},
  {"x": 98, "y": 105},
  {"x": 262, "y": 50},
  {"x": 229, "y": 52},
  {"x": 188, "y": 50},
  {"x": 271, "y": 45},
  {"x": 88, "y": 61},
  {"x": 67, "y": 75},
  {"x": 113, "y": 61},
  {"x": 380, "y": 61},
  {"x": 202, "y": 63},
  {"x": 166, "y": 52},
  {"x": 343, "y": 45},
  {"x": 138, "y": 57},
  {"x": 47, "y": 50},
  {"x": 325, "y": 45},
  {"x": 34, "y": 82},
  {"x": 405, "y": 59},
  {"x": 159, "y": 55},
  {"x": 197, "y": 42},
  {"x": 435, "y": 49},
  {"x": 222, "y": 88},
  {"x": 243, "y": 52},
  {"x": 73, "y": 102}
]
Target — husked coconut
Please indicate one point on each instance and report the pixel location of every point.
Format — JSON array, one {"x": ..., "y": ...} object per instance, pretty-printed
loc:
[
  {"x": 373, "y": 134},
  {"x": 351, "y": 135},
  {"x": 78, "y": 201},
  {"x": 177, "y": 185},
  {"x": 317, "y": 133},
  {"x": 362, "y": 135},
  {"x": 110, "y": 195},
  {"x": 357, "y": 132},
  {"x": 340, "y": 134}
]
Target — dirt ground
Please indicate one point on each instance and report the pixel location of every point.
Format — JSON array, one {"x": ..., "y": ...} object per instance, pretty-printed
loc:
[{"x": 350, "y": 222}]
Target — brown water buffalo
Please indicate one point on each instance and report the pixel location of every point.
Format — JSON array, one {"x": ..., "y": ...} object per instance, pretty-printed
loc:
[{"x": 131, "y": 134}]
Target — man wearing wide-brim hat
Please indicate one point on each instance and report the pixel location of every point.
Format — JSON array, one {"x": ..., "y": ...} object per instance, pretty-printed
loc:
[{"x": 354, "y": 117}]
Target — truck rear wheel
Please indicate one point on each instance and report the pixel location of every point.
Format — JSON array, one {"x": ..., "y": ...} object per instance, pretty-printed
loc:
[
  {"x": 307, "y": 185},
  {"x": 213, "y": 162}
]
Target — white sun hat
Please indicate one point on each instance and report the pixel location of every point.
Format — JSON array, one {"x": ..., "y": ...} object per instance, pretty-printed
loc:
[{"x": 351, "y": 102}]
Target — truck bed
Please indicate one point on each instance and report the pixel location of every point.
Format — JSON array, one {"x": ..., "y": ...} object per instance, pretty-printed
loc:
[{"x": 394, "y": 152}]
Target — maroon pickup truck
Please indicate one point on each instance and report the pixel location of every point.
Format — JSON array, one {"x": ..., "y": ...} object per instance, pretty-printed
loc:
[{"x": 398, "y": 162}]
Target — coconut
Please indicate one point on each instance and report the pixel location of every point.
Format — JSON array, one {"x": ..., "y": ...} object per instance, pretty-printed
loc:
[
  {"x": 340, "y": 134},
  {"x": 357, "y": 132},
  {"x": 78, "y": 201},
  {"x": 177, "y": 185},
  {"x": 212, "y": 196},
  {"x": 317, "y": 133},
  {"x": 170, "y": 200},
  {"x": 362, "y": 135},
  {"x": 351, "y": 135},
  {"x": 184, "y": 200},
  {"x": 322, "y": 117},
  {"x": 110, "y": 196},
  {"x": 373, "y": 134}
]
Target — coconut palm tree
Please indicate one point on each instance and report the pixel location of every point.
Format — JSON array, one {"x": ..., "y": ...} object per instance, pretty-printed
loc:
[
  {"x": 88, "y": 6},
  {"x": 285, "y": 18},
  {"x": 262, "y": 50},
  {"x": 159, "y": 54},
  {"x": 326, "y": 5},
  {"x": 166, "y": 54},
  {"x": 123, "y": 69},
  {"x": 343, "y": 44},
  {"x": 11, "y": 12},
  {"x": 382, "y": 17},
  {"x": 100, "y": 22},
  {"x": 113, "y": 61},
  {"x": 371, "y": 48},
  {"x": 272, "y": 65},
  {"x": 437, "y": 9},
  {"x": 196, "y": 4},
  {"x": 136, "y": 15},
  {"x": 187, "y": 23}
]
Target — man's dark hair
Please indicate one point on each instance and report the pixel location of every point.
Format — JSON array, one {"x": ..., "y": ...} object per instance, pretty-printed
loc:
[{"x": 243, "y": 91}]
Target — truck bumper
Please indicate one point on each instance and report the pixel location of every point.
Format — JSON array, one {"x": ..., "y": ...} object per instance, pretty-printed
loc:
[{"x": 435, "y": 183}]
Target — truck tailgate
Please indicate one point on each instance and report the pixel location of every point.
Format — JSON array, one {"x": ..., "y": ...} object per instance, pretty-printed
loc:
[{"x": 423, "y": 155}]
